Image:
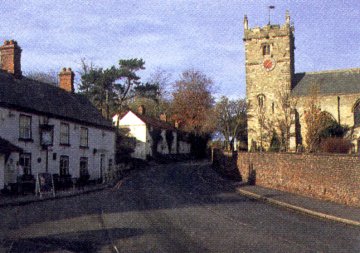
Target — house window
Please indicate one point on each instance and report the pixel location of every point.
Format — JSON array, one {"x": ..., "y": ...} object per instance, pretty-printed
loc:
[
  {"x": 84, "y": 137},
  {"x": 64, "y": 165},
  {"x": 64, "y": 134},
  {"x": 110, "y": 164},
  {"x": 84, "y": 171},
  {"x": 25, "y": 163},
  {"x": 266, "y": 49},
  {"x": 357, "y": 114},
  {"x": 25, "y": 127}
]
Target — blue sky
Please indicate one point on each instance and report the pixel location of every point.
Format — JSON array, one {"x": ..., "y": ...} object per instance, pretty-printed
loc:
[{"x": 177, "y": 35}]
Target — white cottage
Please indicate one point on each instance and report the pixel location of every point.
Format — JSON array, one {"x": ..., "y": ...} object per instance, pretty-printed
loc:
[
  {"x": 46, "y": 128},
  {"x": 152, "y": 135}
]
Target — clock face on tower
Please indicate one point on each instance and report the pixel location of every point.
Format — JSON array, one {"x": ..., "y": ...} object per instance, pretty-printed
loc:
[{"x": 269, "y": 64}]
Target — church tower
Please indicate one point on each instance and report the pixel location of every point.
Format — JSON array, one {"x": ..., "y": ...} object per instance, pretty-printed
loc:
[{"x": 269, "y": 63}]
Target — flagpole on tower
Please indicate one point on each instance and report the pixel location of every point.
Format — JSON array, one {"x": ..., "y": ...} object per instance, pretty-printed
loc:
[{"x": 271, "y": 7}]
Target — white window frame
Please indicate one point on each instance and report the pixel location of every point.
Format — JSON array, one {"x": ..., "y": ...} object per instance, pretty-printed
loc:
[
  {"x": 25, "y": 127},
  {"x": 64, "y": 133},
  {"x": 84, "y": 137}
]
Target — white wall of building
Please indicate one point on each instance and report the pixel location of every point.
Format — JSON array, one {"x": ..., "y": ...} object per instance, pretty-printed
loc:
[
  {"x": 184, "y": 147},
  {"x": 11, "y": 173},
  {"x": 137, "y": 129},
  {"x": 2, "y": 170},
  {"x": 100, "y": 141}
]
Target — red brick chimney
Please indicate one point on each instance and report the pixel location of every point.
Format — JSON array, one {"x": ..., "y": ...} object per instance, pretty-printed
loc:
[
  {"x": 66, "y": 79},
  {"x": 11, "y": 58},
  {"x": 141, "y": 110}
]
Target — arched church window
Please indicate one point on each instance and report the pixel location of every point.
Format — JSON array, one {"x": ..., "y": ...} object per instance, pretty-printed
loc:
[
  {"x": 261, "y": 99},
  {"x": 357, "y": 114},
  {"x": 266, "y": 49}
]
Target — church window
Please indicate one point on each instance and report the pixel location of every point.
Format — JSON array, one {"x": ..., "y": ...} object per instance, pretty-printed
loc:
[
  {"x": 273, "y": 107},
  {"x": 357, "y": 114},
  {"x": 261, "y": 99},
  {"x": 266, "y": 49}
]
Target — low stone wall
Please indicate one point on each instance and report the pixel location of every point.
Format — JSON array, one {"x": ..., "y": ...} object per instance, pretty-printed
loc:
[{"x": 328, "y": 177}]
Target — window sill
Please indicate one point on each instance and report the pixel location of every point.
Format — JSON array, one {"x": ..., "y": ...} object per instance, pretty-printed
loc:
[
  {"x": 84, "y": 147},
  {"x": 65, "y": 144},
  {"x": 26, "y": 139}
]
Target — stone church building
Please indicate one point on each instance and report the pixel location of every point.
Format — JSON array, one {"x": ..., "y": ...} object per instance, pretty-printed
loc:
[{"x": 276, "y": 94}]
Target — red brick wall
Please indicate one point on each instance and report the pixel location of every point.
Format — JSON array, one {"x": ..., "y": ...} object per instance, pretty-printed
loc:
[{"x": 328, "y": 177}]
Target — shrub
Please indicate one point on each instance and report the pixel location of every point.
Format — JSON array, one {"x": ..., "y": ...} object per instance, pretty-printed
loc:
[{"x": 335, "y": 145}]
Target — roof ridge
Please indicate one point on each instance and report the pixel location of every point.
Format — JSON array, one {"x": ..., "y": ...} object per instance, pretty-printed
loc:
[{"x": 351, "y": 70}]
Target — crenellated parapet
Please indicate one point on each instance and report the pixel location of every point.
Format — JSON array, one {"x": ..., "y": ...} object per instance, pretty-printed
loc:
[{"x": 268, "y": 31}]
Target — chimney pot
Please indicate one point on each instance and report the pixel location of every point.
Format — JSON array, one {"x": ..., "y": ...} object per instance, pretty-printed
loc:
[{"x": 66, "y": 80}]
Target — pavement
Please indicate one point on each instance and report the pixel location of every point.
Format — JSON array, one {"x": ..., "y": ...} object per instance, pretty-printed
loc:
[
  {"x": 19, "y": 200},
  {"x": 310, "y": 206}
]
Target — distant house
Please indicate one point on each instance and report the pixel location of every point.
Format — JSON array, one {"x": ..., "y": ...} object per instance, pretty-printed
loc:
[
  {"x": 153, "y": 135},
  {"x": 48, "y": 128}
]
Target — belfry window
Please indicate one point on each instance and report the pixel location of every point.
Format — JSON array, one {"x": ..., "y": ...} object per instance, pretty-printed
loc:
[
  {"x": 357, "y": 114},
  {"x": 266, "y": 49},
  {"x": 261, "y": 99}
]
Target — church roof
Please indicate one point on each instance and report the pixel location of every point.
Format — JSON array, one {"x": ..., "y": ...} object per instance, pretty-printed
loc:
[
  {"x": 345, "y": 81},
  {"x": 31, "y": 96}
]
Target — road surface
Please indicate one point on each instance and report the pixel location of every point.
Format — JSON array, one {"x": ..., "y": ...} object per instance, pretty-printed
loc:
[{"x": 184, "y": 207}]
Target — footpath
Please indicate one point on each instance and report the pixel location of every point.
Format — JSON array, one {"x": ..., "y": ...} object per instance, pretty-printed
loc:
[
  {"x": 318, "y": 208},
  {"x": 19, "y": 200}
]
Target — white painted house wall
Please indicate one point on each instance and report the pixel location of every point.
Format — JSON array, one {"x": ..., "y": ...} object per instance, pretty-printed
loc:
[
  {"x": 137, "y": 129},
  {"x": 184, "y": 147},
  {"x": 162, "y": 146},
  {"x": 2, "y": 171},
  {"x": 100, "y": 141}
]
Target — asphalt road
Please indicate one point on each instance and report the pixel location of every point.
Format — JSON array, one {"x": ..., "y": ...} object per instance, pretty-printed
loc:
[{"x": 171, "y": 208}]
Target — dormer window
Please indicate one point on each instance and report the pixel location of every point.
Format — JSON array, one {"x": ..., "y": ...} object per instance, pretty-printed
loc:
[{"x": 266, "y": 49}]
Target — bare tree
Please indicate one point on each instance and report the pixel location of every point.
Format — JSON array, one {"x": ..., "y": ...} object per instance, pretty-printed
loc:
[
  {"x": 284, "y": 120},
  {"x": 162, "y": 79},
  {"x": 231, "y": 119},
  {"x": 50, "y": 77}
]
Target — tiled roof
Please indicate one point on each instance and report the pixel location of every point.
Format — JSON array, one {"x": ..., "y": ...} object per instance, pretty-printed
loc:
[
  {"x": 327, "y": 82},
  {"x": 37, "y": 97},
  {"x": 7, "y": 147},
  {"x": 156, "y": 123}
]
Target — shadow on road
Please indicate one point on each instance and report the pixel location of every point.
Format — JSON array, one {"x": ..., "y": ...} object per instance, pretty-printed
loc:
[{"x": 89, "y": 241}]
